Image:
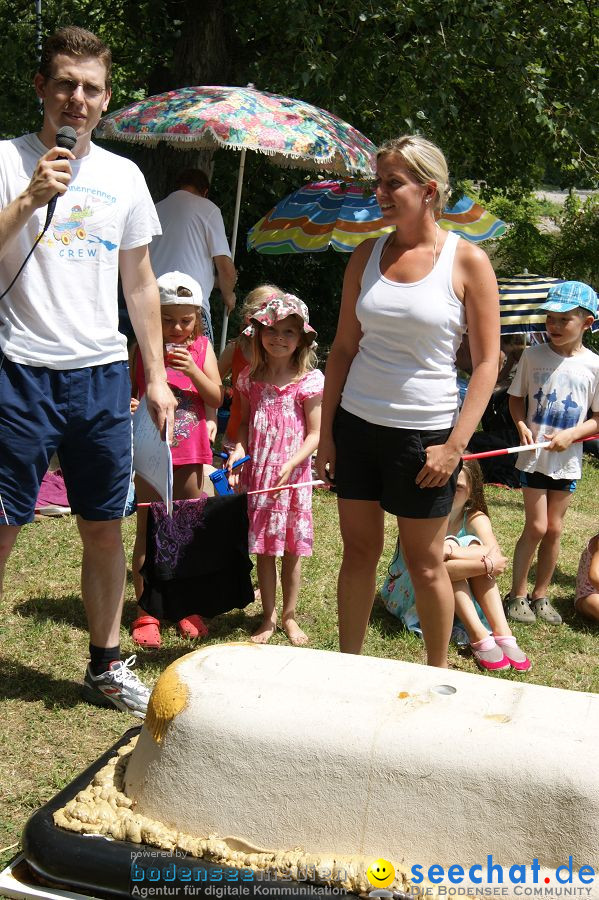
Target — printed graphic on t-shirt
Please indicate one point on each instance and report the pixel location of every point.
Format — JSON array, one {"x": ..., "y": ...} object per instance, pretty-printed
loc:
[
  {"x": 554, "y": 409},
  {"x": 72, "y": 232},
  {"x": 186, "y": 418}
]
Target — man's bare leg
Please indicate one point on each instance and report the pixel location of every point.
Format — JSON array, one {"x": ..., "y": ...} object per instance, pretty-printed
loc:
[
  {"x": 8, "y": 536},
  {"x": 103, "y": 573}
]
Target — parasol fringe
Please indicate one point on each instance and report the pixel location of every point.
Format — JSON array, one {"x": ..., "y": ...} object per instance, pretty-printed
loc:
[{"x": 182, "y": 141}]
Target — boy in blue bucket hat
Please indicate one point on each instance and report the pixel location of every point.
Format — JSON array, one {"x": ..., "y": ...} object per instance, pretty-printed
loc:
[{"x": 554, "y": 387}]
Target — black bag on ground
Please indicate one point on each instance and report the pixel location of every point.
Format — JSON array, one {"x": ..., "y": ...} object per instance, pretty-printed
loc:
[{"x": 198, "y": 560}]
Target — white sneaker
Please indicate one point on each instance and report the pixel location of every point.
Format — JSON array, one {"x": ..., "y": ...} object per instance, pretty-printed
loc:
[
  {"x": 119, "y": 687},
  {"x": 53, "y": 510}
]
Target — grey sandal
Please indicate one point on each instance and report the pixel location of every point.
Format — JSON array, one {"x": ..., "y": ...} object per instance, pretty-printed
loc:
[
  {"x": 546, "y": 612},
  {"x": 519, "y": 609}
]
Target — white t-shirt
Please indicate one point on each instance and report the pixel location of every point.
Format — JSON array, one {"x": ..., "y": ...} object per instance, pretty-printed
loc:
[
  {"x": 404, "y": 373},
  {"x": 560, "y": 390},
  {"x": 62, "y": 310},
  {"x": 193, "y": 233}
]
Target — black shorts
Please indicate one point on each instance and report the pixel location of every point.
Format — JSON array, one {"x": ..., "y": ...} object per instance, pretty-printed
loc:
[
  {"x": 375, "y": 462},
  {"x": 543, "y": 482}
]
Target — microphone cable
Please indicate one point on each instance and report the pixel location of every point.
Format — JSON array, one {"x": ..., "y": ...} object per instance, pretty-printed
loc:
[{"x": 66, "y": 138}]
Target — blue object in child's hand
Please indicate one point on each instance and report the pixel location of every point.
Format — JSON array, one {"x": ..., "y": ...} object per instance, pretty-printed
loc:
[{"x": 220, "y": 478}]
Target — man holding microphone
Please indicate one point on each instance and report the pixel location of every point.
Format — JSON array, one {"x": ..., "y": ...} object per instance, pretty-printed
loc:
[{"x": 64, "y": 380}]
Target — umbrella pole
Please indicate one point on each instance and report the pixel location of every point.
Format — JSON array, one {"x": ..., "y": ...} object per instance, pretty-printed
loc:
[{"x": 223, "y": 336}]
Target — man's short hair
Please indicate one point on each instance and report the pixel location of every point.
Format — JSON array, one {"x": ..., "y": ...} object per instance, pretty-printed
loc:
[
  {"x": 74, "y": 41},
  {"x": 195, "y": 178}
]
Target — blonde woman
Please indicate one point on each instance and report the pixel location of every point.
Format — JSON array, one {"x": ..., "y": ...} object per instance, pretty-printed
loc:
[{"x": 391, "y": 435}]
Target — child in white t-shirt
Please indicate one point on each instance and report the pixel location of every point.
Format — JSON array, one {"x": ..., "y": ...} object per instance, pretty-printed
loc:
[{"x": 553, "y": 388}]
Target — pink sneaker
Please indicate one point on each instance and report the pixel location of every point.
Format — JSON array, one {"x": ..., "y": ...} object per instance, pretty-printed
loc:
[
  {"x": 518, "y": 660},
  {"x": 489, "y": 655}
]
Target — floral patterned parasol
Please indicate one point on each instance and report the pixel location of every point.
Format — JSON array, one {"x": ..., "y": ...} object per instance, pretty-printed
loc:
[{"x": 292, "y": 132}]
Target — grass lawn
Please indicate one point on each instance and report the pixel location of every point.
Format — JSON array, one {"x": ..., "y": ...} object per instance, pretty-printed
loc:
[{"x": 48, "y": 735}]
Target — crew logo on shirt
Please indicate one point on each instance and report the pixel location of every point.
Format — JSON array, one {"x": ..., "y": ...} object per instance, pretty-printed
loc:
[{"x": 72, "y": 232}]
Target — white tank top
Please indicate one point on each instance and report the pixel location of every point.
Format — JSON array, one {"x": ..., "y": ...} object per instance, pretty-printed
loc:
[{"x": 404, "y": 373}]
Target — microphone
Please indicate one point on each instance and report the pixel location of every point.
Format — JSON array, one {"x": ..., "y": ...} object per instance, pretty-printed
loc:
[{"x": 66, "y": 137}]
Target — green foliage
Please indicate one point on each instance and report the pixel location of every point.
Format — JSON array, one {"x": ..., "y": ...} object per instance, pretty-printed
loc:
[
  {"x": 524, "y": 247},
  {"x": 576, "y": 250},
  {"x": 136, "y": 51},
  {"x": 569, "y": 249},
  {"x": 508, "y": 88},
  {"x": 566, "y": 247}
]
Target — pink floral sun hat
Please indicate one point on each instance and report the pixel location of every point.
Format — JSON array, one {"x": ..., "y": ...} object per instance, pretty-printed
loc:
[{"x": 278, "y": 307}]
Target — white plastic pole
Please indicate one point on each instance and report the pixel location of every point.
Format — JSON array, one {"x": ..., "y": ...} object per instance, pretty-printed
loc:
[{"x": 223, "y": 336}]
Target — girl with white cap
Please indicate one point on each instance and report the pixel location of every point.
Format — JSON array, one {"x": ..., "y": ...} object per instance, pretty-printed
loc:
[{"x": 192, "y": 375}]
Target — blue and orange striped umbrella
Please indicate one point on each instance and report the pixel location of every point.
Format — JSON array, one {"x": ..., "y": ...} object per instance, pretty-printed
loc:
[
  {"x": 471, "y": 221},
  {"x": 519, "y": 299},
  {"x": 336, "y": 214}
]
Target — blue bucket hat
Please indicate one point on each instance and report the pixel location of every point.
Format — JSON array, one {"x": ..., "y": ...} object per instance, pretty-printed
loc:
[{"x": 568, "y": 295}]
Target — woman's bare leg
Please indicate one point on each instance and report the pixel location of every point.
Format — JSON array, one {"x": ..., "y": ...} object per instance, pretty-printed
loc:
[
  {"x": 422, "y": 547},
  {"x": 362, "y": 530}
]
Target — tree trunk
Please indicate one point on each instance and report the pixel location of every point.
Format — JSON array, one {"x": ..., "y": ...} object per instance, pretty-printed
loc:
[{"x": 202, "y": 55}]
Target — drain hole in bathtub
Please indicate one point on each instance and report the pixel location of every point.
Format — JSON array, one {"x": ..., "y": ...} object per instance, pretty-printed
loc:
[{"x": 445, "y": 689}]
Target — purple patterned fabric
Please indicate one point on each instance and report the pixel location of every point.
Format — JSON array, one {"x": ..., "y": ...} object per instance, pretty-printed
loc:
[{"x": 172, "y": 534}]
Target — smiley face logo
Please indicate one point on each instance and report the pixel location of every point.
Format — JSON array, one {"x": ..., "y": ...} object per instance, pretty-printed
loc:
[{"x": 380, "y": 873}]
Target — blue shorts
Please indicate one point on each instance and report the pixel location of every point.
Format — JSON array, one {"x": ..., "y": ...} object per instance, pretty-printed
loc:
[
  {"x": 84, "y": 416},
  {"x": 543, "y": 482}
]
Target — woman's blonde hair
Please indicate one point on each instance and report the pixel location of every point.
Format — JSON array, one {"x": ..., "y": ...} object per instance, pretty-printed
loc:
[
  {"x": 425, "y": 161},
  {"x": 304, "y": 357}
]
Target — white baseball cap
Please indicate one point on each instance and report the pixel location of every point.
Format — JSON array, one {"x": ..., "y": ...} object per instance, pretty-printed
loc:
[{"x": 176, "y": 288}]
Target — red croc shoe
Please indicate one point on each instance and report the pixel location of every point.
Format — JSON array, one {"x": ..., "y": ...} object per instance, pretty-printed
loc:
[
  {"x": 145, "y": 631},
  {"x": 192, "y": 627}
]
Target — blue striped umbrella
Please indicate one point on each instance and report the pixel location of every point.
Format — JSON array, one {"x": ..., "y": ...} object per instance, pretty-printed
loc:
[
  {"x": 519, "y": 299},
  {"x": 336, "y": 214}
]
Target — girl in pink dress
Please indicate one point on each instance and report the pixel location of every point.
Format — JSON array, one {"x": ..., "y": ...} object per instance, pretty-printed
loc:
[
  {"x": 192, "y": 375},
  {"x": 280, "y": 394}
]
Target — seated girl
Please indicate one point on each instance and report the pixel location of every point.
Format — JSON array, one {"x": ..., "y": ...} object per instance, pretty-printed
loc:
[
  {"x": 473, "y": 560},
  {"x": 586, "y": 601}
]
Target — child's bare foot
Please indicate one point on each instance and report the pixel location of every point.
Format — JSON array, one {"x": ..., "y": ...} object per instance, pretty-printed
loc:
[
  {"x": 295, "y": 634},
  {"x": 263, "y": 634}
]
